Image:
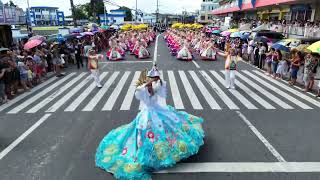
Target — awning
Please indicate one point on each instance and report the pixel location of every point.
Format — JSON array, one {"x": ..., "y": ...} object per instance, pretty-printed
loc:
[
  {"x": 262, "y": 3},
  {"x": 227, "y": 10}
]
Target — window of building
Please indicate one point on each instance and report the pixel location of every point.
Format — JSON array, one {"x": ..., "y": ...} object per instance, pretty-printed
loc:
[
  {"x": 203, "y": 18},
  {"x": 37, "y": 10},
  {"x": 38, "y": 16}
]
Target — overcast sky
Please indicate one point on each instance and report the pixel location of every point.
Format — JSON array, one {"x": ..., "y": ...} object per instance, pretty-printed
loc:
[{"x": 166, "y": 6}]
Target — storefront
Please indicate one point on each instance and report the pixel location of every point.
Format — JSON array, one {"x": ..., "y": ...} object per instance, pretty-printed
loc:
[{"x": 301, "y": 12}]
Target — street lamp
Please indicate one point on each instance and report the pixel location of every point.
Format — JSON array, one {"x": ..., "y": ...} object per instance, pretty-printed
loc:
[{"x": 136, "y": 19}]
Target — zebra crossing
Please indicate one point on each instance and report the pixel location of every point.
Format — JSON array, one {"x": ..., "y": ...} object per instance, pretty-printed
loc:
[{"x": 198, "y": 90}]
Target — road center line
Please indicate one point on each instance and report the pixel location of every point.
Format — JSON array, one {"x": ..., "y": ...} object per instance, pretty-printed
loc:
[
  {"x": 196, "y": 64},
  {"x": 275, "y": 153},
  {"x": 123, "y": 62},
  {"x": 23, "y": 136},
  {"x": 247, "y": 167}
]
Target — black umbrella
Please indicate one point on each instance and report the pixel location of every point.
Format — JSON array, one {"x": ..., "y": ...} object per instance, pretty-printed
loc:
[{"x": 262, "y": 39}]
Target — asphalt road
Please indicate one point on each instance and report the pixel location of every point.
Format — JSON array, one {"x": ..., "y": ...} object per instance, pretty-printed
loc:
[{"x": 263, "y": 130}]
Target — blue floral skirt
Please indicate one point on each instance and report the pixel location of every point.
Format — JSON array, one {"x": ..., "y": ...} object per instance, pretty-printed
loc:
[{"x": 154, "y": 140}]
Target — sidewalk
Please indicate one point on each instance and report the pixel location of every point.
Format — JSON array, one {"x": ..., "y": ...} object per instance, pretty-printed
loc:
[{"x": 299, "y": 83}]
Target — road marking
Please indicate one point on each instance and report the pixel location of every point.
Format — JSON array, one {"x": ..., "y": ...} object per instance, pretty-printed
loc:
[
  {"x": 125, "y": 62},
  {"x": 254, "y": 96},
  {"x": 235, "y": 93},
  {"x": 162, "y": 100},
  {"x": 244, "y": 167},
  {"x": 278, "y": 91},
  {"x": 73, "y": 106},
  {"x": 57, "y": 93},
  {"x": 275, "y": 153},
  {"x": 23, "y": 136},
  {"x": 155, "y": 56},
  {"x": 39, "y": 95},
  {"x": 219, "y": 91},
  {"x": 95, "y": 100},
  {"x": 190, "y": 93},
  {"x": 265, "y": 93},
  {"x": 298, "y": 93},
  {"x": 178, "y": 104},
  {"x": 126, "y": 104},
  {"x": 196, "y": 64},
  {"x": 116, "y": 92},
  {"x": 211, "y": 101},
  {"x": 67, "y": 97},
  {"x": 32, "y": 91}
]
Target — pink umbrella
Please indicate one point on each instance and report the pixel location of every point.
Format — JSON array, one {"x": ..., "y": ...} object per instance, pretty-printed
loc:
[
  {"x": 32, "y": 43},
  {"x": 41, "y": 38},
  {"x": 225, "y": 33},
  {"x": 88, "y": 33}
]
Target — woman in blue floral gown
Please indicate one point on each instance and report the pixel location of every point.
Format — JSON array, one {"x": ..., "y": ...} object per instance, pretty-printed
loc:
[{"x": 157, "y": 138}]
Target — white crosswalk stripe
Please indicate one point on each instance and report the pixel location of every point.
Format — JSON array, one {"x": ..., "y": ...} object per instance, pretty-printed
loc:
[
  {"x": 278, "y": 91},
  {"x": 254, "y": 90},
  {"x": 126, "y": 104},
  {"x": 116, "y": 92},
  {"x": 190, "y": 93},
  {"x": 73, "y": 106},
  {"x": 211, "y": 101},
  {"x": 47, "y": 100},
  {"x": 178, "y": 104},
  {"x": 236, "y": 93},
  {"x": 264, "y": 92},
  {"x": 219, "y": 91},
  {"x": 293, "y": 91},
  {"x": 65, "y": 98},
  {"x": 39, "y": 95},
  {"x": 96, "y": 99}
]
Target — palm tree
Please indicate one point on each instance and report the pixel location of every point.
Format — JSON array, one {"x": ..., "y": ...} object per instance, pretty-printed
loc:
[
  {"x": 73, "y": 14},
  {"x": 94, "y": 9}
]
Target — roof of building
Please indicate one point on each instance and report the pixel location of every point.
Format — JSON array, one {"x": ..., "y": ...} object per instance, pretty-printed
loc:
[
  {"x": 113, "y": 15},
  {"x": 118, "y": 10},
  {"x": 43, "y": 7}
]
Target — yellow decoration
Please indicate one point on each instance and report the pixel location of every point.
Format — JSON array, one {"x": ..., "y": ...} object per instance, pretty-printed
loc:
[
  {"x": 128, "y": 27},
  {"x": 182, "y": 146},
  {"x": 132, "y": 167},
  {"x": 185, "y": 127},
  {"x": 186, "y": 26},
  {"x": 161, "y": 149},
  {"x": 116, "y": 166},
  {"x": 175, "y": 156},
  {"x": 107, "y": 159},
  {"x": 112, "y": 149}
]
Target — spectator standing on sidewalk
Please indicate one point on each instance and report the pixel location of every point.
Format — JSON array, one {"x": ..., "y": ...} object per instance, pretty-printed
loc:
[
  {"x": 309, "y": 64},
  {"x": 262, "y": 55},
  {"x": 295, "y": 65},
  {"x": 269, "y": 60},
  {"x": 86, "y": 48},
  {"x": 275, "y": 61},
  {"x": 78, "y": 53},
  {"x": 3, "y": 96}
]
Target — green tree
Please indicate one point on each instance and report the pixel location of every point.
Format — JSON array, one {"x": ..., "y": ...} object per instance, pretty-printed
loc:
[
  {"x": 80, "y": 12},
  {"x": 128, "y": 13}
]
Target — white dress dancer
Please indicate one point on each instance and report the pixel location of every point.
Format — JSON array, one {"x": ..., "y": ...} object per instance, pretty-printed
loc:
[
  {"x": 231, "y": 69},
  {"x": 93, "y": 59}
]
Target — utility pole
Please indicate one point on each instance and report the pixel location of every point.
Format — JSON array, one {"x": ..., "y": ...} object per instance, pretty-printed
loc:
[
  {"x": 157, "y": 12},
  {"x": 29, "y": 19},
  {"x": 136, "y": 19},
  {"x": 73, "y": 14}
]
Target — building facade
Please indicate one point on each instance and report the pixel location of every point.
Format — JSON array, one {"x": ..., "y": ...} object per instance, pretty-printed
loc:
[
  {"x": 44, "y": 16},
  {"x": 113, "y": 17},
  {"x": 205, "y": 14},
  {"x": 11, "y": 14},
  {"x": 291, "y": 10}
]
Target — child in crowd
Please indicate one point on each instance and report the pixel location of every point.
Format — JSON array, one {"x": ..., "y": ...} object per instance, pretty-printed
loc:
[{"x": 281, "y": 70}]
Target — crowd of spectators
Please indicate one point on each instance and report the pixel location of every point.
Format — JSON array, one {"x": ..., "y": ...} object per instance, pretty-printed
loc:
[{"x": 21, "y": 69}]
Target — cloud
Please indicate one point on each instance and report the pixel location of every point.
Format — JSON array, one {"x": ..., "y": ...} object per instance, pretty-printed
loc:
[{"x": 147, "y": 6}]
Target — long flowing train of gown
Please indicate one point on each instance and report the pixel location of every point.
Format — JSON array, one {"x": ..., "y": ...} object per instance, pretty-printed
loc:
[{"x": 157, "y": 138}]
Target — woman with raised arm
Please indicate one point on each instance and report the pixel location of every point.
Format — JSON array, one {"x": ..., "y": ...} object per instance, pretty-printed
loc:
[{"x": 157, "y": 138}]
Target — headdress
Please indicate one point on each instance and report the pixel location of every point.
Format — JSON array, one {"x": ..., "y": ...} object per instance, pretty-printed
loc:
[{"x": 154, "y": 72}]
